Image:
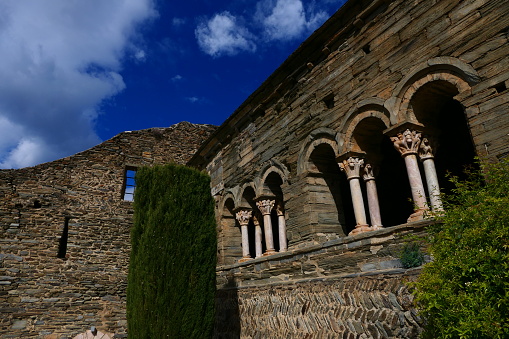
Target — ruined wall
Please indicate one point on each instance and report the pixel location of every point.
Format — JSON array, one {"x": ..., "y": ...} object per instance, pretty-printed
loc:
[{"x": 42, "y": 296}]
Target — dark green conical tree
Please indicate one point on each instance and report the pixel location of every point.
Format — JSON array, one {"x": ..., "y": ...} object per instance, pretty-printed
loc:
[{"x": 171, "y": 283}]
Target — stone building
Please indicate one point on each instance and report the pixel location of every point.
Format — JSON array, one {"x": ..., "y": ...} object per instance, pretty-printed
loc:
[
  {"x": 64, "y": 234},
  {"x": 319, "y": 177},
  {"x": 324, "y": 171}
]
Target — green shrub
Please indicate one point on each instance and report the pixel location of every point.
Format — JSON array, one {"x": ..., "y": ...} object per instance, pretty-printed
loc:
[
  {"x": 464, "y": 291},
  {"x": 411, "y": 255},
  {"x": 171, "y": 283}
]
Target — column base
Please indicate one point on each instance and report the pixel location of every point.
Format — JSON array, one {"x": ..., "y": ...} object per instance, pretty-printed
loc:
[
  {"x": 376, "y": 227},
  {"x": 269, "y": 252},
  {"x": 360, "y": 229},
  {"x": 417, "y": 215},
  {"x": 245, "y": 259}
]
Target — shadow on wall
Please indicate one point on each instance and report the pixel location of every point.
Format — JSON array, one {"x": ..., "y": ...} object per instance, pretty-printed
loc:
[{"x": 227, "y": 323}]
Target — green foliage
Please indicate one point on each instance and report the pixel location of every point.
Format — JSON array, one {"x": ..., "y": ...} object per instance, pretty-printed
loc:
[
  {"x": 411, "y": 255},
  {"x": 171, "y": 283},
  {"x": 464, "y": 291}
]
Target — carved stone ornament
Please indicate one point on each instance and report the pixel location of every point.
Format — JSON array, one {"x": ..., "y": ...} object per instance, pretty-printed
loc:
[
  {"x": 407, "y": 142},
  {"x": 243, "y": 217},
  {"x": 265, "y": 206},
  {"x": 369, "y": 172},
  {"x": 426, "y": 149},
  {"x": 352, "y": 167},
  {"x": 279, "y": 209}
]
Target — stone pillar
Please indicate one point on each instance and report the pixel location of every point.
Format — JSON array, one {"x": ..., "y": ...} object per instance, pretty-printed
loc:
[
  {"x": 374, "y": 207},
  {"x": 258, "y": 236},
  {"x": 265, "y": 207},
  {"x": 243, "y": 217},
  {"x": 428, "y": 162},
  {"x": 407, "y": 143},
  {"x": 352, "y": 167},
  {"x": 283, "y": 246}
]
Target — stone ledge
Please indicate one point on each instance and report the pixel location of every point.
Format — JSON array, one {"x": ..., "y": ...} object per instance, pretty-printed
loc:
[{"x": 352, "y": 242}]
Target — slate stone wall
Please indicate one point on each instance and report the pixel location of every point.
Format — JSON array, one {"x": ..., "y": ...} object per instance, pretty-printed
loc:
[
  {"x": 42, "y": 296},
  {"x": 354, "y": 287}
]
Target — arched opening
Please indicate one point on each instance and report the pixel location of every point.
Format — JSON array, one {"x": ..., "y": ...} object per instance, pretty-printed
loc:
[
  {"x": 444, "y": 118},
  {"x": 390, "y": 173},
  {"x": 248, "y": 198},
  {"x": 328, "y": 189},
  {"x": 272, "y": 187},
  {"x": 229, "y": 237}
]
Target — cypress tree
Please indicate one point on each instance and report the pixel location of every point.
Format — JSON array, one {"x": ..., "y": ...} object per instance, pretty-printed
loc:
[{"x": 171, "y": 282}]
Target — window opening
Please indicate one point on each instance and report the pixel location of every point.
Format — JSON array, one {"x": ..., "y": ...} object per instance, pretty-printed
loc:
[
  {"x": 62, "y": 247},
  {"x": 129, "y": 184}
]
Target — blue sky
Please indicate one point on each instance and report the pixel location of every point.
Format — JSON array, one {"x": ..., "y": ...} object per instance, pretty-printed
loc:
[{"x": 75, "y": 73}]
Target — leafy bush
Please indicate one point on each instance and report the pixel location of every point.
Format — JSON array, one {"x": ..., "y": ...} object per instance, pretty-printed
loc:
[
  {"x": 464, "y": 291},
  {"x": 411, "y": 255},
  {"x": 171, "y": 283}
]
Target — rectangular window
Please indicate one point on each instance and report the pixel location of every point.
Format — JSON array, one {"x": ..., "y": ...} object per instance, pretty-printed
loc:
[{"x": 129, "y": 184}]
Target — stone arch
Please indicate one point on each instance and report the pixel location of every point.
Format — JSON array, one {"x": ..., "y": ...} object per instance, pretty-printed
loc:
[
  {"x": 452, "y": 70},
  {"x": 316, "y": 138},
  {"x": 351, "y": 134},
  {"x": 229, "y": 236},
  {"x": 246, "y": 196},
  {"x": 268, "y": 169}
]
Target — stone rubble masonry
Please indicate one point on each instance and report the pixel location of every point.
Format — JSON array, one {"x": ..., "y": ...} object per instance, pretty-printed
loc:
[
  {"x": 42, "y": 296},
  {"x": 354, "y": 287}
]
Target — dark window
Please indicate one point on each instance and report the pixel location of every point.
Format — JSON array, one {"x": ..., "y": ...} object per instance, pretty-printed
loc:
[
  {"x": 62, "y": 247},
  {"x": 129, "y": 184}
]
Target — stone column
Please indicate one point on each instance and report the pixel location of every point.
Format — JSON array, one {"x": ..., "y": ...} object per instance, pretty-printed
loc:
[
  {"x": 281, "y": 222},
  {"x": 243, "y": 217},
  {"x": 258, "y": 236},
  {"x": 407, "y": 143},
  {"x": 265, "y": 207},
  {"x": 374, "y": 207},
  {"x": 352, "y": 167},
  {"x": 428, "y": 162}
]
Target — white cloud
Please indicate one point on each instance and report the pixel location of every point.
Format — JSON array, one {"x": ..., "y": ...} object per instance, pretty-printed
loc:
[
  {"x": 224, "y": 35},
  {"x": 177, "y": 22},
  {"x": 176, "y": 78},
  {"x": 60, "y": 60},
  {"x": 192, "y": 99},
  {"x": 287, "y": 19}
]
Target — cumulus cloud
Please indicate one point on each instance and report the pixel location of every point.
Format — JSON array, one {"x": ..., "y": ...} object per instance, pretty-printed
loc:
[
  {"x": 222, "y": 34},
  {"x": 60, "y": 60},
  {"x": 287, "y": 19}
]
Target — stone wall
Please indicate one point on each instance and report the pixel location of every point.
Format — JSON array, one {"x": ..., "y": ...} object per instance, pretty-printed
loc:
[
  {"x": 42, "y": 296},
  {"x": 415, "y": 89},
  {"x": 354, "y": 287}
]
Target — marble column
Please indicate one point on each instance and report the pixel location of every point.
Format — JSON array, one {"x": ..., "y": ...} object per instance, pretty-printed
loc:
[
  {"x": 428, "y": 162},
  {"x": 265, "y": 207},
  {"x": 407, "y": 143},
  {"x": 281, "y": 222},
  {"x": 243, "y": 217},
  {"x": 352, "y": 167},
  {"x": 374, "y": 206},
  {"x": 258, "y": 236}
]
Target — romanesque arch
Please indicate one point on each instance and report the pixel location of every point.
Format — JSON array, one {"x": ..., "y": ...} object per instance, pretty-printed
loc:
[
  {"x": 325, "y": 186},
  {"x": 229, "y": 236},
  {"x": 431, "y": 131}
]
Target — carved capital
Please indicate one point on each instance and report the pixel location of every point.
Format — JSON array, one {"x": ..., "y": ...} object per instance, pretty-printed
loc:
[
  {"x": 256, "y": 219},
  {"x": 243, "y": 217},
  {"x": 280, "y": 209},
  {"x": 352, "y": 167},
  {"x": 265, "y": 206},
  {"x": 369, "y": 172},
  {"x": 426, "y": 149},
  {"x": 407, "y": 142}
]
